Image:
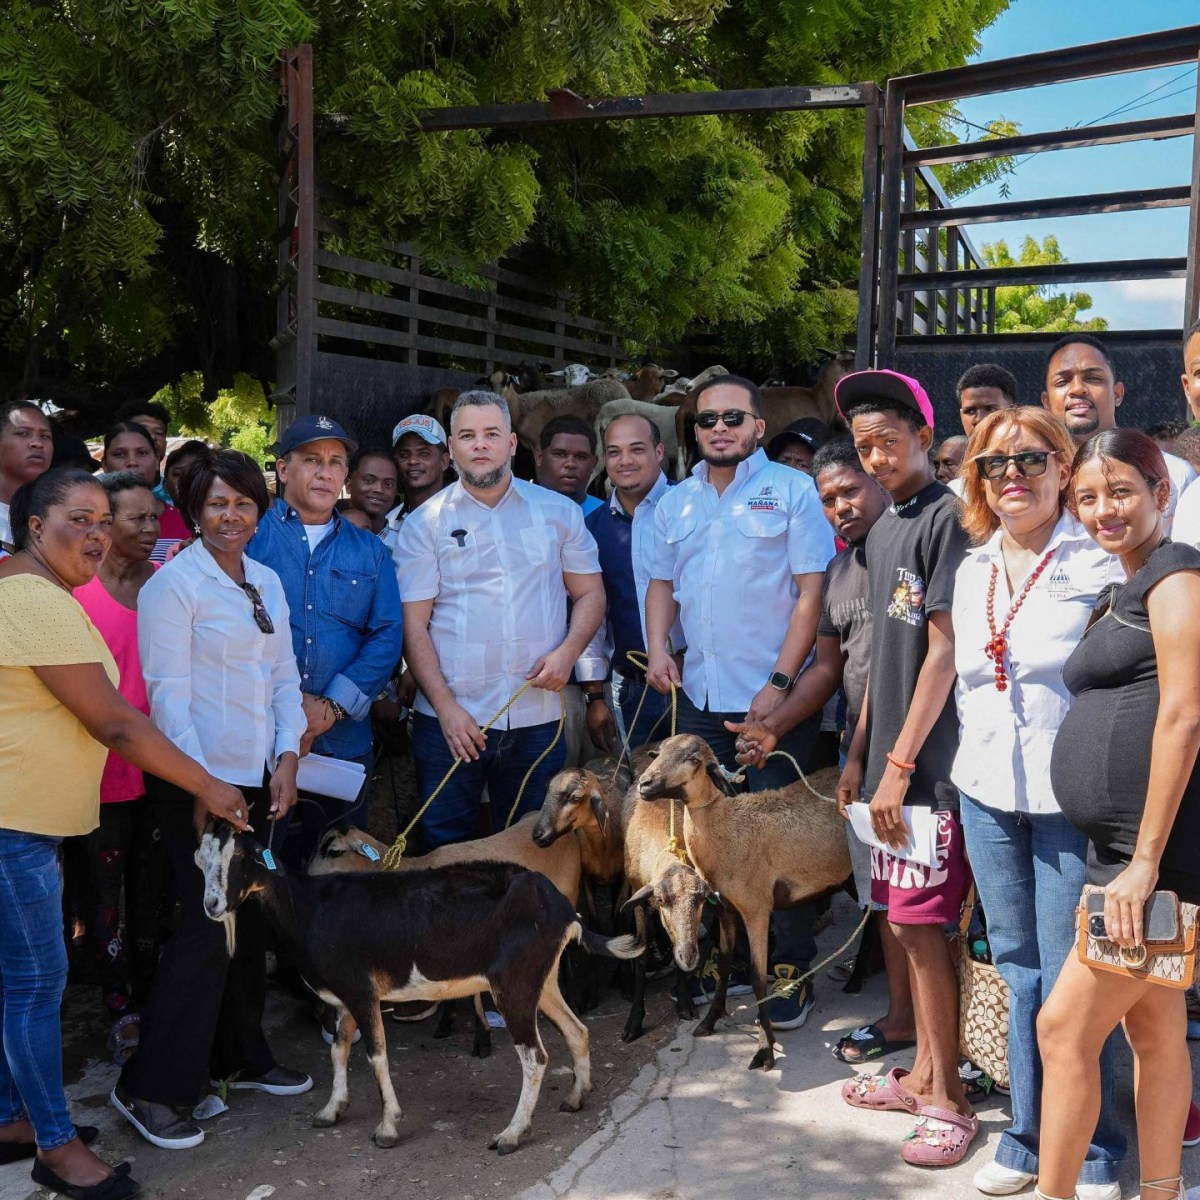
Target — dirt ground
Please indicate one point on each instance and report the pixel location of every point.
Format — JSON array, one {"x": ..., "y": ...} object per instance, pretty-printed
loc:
[{"x": 453, "y": 1103}]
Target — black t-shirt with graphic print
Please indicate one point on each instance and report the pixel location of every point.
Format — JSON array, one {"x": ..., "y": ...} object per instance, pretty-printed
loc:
[
  {"x": 913, "y": 552},
  {"x": 846, "y": 615}
]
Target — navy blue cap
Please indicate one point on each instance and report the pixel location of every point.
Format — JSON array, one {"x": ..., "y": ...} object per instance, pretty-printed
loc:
[{"x": 313, "y": 429}]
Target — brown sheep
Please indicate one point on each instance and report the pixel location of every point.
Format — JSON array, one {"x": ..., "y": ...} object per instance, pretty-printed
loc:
[{"x": 759, "y": 850}]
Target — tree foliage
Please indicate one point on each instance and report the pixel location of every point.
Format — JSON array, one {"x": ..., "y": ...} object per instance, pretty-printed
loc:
[
  {"x": 137, "y": 145},
  {"x": 1031, "y": 309}
]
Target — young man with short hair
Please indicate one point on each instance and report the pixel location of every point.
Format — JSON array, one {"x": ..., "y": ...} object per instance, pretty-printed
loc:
[
  {"x": 983, "y": 389},
  {"x": 565, "y": 459},
  {"x": 156, "y": 420},
  {"x": 1083, "y": 391},
  {"x": 26, "y": 449},
  {"x": 853, "y": 502},
  {"x": 486, "y": 569},
  {"x": 904, "y": 746},
  {"x": 624, "y": 533}
]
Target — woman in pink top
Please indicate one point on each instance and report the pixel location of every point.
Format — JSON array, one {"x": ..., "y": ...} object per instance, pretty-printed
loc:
[{"x": 124, "y": 852}]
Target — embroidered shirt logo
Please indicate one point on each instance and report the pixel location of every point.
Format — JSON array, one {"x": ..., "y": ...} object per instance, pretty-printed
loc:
[
  {"x": 1059, "y": 585},
  {"x": 765, "y": 501},
  {"x": 908, "y": 598}
]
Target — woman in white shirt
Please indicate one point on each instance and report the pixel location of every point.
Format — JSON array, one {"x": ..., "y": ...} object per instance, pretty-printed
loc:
[
  {"x": 1022, "y": 599},
  {"x": 216, "y": 652}
]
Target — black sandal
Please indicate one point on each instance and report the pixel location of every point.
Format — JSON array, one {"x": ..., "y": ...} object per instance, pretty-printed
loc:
[
  {"x": 868, "y": 1042},
  {"x": 118, "y": 1186}
]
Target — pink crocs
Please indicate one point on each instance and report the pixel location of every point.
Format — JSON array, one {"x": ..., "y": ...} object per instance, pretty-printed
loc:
[
  {"x": 939, "y": 1139},
  {"x": 881, "y": 1092}
]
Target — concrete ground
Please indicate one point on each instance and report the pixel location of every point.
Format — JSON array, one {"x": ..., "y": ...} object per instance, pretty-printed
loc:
[{"x": 672, "y": 1117}]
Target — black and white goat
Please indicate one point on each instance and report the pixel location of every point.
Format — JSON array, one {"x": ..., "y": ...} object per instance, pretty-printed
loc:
[{"x": 418, "y": 935}]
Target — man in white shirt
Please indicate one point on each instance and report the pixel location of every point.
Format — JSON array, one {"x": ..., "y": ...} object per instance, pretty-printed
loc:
[
  {"x": 1186, "y": 527},
  {"x": 485, "y": 569},
  {"x": 740, "y": 554},
  {"x": 1082, "y": 390},
  {"x": 26, "y": 448}
]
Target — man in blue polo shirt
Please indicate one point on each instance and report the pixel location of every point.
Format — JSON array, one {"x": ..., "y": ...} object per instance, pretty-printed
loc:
[
  {"x": 624, "y": 533},
  {"x": 344, "y": 605}
]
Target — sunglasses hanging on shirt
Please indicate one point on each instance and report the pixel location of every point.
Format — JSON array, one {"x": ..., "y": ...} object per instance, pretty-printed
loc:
[{"x": 261, "y": 617}]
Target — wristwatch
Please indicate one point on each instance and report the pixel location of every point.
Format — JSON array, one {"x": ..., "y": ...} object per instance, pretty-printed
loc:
[
  {"x": 780, "y": 682},
  {"x": 592, "y": 697}
]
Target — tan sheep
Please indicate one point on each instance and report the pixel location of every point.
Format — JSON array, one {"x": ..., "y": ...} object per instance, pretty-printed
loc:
[{"x": 758, "y": 850}]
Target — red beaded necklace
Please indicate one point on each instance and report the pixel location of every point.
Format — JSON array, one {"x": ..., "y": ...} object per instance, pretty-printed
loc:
[{"x": 997, "y": 645}]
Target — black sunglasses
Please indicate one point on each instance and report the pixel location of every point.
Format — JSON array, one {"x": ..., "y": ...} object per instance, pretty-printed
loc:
[
  {"x": 1029, "y": 463},
  {"x": 732, "y": 417},
  {"x": 261, "y": 617}
]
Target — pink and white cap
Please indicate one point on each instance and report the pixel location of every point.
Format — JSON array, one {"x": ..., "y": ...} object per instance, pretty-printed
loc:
[{"x": 859, "y": 387}]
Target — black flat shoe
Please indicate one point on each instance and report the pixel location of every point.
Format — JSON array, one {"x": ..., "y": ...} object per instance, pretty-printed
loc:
[
  {"x": 11, "y": 1152},
  {"x": 118, "y": 1186}
]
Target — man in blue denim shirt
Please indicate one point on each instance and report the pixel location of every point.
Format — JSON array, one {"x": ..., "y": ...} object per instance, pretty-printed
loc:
[{"x": 344, "y": 603}]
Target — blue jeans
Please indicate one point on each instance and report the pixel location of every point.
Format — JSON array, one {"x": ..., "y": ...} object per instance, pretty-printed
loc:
[
  {"x": 1029, "y": 870},
  {"x": 501, "y": 767},
  {"x": 653, "y": 723},
  {"x": 33, "y": 973},
  {"x": 795, "y": 941}
]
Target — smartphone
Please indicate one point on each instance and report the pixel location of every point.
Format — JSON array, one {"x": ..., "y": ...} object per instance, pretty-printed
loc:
[{"x": 1160, "y": 919}]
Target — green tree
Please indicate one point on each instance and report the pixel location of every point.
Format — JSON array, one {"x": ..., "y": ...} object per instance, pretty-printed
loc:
[
  {"x": 137, "y": 145},
  {"x": 1033, "y": 309},
  {"x": 238, "y": 417}
]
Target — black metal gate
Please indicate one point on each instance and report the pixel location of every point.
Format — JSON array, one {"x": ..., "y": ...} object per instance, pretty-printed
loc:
[{"x": 935, "y": 313}]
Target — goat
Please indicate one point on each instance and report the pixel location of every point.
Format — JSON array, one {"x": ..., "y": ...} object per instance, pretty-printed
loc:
[
  {"x": 573, "y": 374},
  {"x": 417, "y": 935},
  {"x": 678, "y": 894},
  {"x": 531, "y": 410},
  {"x": 760, "y": 851},
  {"x": 649, "y": 381},
  {"x": 560, "y": 862},
  {"x": 582, "y": 801}
]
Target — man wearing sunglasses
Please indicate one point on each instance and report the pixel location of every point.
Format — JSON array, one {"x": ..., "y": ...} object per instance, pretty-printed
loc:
[
  {"x": 740, "y": 554},
  {"x": 1083, "y": 391}
]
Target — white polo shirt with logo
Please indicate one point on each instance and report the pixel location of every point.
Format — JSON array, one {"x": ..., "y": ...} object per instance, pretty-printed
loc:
[{"x": 731, "y": 560}]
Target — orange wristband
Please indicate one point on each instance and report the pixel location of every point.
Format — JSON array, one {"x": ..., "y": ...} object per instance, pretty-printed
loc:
[{"x": 903, "y": 766}]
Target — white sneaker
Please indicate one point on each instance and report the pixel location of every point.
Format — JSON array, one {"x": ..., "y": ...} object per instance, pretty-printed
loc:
[
  {"x": 1098, "y": 1191},
  {"x": 997, "y": 1180}
]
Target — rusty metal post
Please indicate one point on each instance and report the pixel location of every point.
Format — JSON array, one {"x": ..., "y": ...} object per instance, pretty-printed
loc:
[
  {"x": 1191, "y": 299},
  {"x": 864, "y": 346}
]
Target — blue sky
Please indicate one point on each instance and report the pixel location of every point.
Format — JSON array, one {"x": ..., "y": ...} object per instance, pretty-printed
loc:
[{"x": 1033, "y": 25}]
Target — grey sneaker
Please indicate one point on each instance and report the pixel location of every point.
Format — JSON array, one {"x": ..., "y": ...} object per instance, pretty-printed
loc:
[
  {"x": 159, "y": 1124},
  {"x": 278, "y": 1081}
]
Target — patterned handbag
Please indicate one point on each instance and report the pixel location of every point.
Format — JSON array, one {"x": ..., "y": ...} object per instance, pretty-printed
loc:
[
  {"x": 982, "y": 1005},
  {"x": 1171, "y": 963}
]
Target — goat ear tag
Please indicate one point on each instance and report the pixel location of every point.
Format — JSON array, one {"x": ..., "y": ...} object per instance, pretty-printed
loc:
[
  {"x": 369, "y": 853},
  {"x": 268, "y": 860}
]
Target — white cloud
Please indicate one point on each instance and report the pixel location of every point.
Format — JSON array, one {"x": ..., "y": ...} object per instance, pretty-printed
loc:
[{"x": 1151, "y": 291}]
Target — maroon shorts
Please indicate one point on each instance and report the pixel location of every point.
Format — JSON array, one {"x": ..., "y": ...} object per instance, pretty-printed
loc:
[{"x": 915, "y": 894}]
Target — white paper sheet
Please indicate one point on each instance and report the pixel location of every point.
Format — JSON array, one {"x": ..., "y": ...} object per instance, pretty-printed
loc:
[
  {"x": 922, "y": 825},
  {"x": 332, "y": 777}
]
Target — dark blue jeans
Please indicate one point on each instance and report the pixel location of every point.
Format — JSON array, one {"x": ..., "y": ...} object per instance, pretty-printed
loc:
[
  {"x": 1029, "y": 870},
  {"x": 501, "y": 767},
  {"x": 653, "y": 721},
  {"x": 795, "y": 941},
  {"x": 33, "y": 973}
]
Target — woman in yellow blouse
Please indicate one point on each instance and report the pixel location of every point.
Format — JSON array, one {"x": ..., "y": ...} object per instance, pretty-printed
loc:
[{"x": 59, "y": 714}]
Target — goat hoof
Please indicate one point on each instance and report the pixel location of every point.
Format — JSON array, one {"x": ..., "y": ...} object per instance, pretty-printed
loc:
[
  {"x": 385, "y": 1141},
  {"x": 765, "y": 1058},
  {"x": 704, "y": 1029},
  {"x": 322, "y": 1120},
  {"x": 503, "y": 1145},
  {"x": 569, "y": 1105},
  {"x": 482, "y": 1048},
  {"x": 632, "y": 1033}
]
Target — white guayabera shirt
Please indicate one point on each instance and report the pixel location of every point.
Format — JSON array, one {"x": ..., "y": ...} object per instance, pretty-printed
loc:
[{"x": 495, "y": 576}]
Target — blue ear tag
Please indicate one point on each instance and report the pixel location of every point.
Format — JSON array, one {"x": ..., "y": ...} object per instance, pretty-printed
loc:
[
  {"x": 369, "y": 852},
  {"x": 268, "y": 860}
]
